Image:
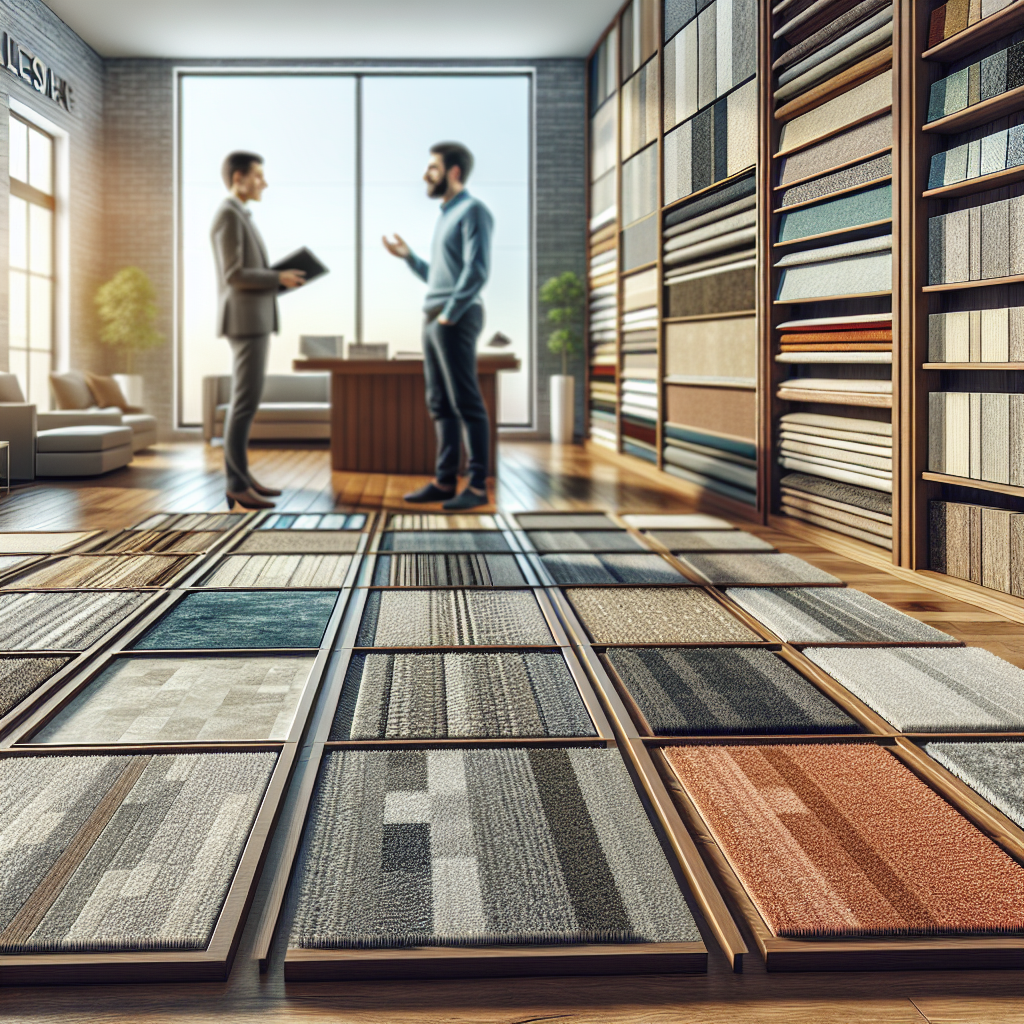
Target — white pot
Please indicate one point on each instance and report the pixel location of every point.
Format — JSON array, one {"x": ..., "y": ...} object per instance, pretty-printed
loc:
[
  {"x": 131, "y": 385},
  {"x": 563, "y": 412}
]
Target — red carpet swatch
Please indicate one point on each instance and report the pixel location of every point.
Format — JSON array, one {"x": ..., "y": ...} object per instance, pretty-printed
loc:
[{"x": 842, "y": 840}]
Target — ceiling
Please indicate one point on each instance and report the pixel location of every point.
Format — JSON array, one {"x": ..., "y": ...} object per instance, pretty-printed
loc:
[{"x": 337, "y": 28}]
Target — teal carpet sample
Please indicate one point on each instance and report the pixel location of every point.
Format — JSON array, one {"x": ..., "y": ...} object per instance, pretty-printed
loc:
[
  {"x": 611, "y": 568},
  {"x": 444, "y": 540},
  {"x": 21, "y": 676},
  {"x": 993, "y": 770},
  {"x": 62, "y": 621},
  {"x": 847, "y": 211},
  {"x": 755, "y": 568}
]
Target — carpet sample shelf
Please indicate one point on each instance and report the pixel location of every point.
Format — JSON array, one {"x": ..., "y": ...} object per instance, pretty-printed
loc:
[
  {"x": 757, "y": 568},
  {"x": 21, "y": 677},
  {"x": 583, "y": 540},
  {"x": 453, "y": 570},
  {"x": 977, "y": 543},
  {"x": 279, "y": 571},
  {"x": 611, "y": 568},
  {"x": 977, "y": 336},
  {"x": 449, "y": 541},
  {"x": 102, "y": 571},
  {"x": 992, "y": 770},
  {"x": 62, "y": 622}
]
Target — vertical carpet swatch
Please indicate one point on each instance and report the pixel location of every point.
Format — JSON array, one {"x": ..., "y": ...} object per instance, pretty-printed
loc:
[
  {"x": 445, "y": 541},
  {"x": 243, "y": 619},
  {"x": 586, "y": 568},
  {"x": 154, "y": 541},
  {"x": 455, "y": 570},
  {"x": 710, "y": 540},
  {"x": 452, "y": 618},
  {"x": 315, "y": 521},
  {"x": 122, "y": 853},
  {"x": 993, "y": 770},
  {"x": 183, "y": 700},
  {"x": 435, "y": 521},
  {"x": 673, "y": 521},
  {"x": 831, "y": 615},
  {"x": 428, "y": 696},
  {"x": 103, "y": 571},
  {"x": 299, "y": 542},
  {"x": 843, "y": 840},
  {"x": 26, "y": 543},
  {"x": 481, "y": 847},
  {"x": 689, "y": 691},
  {"x": 661, "y": 615},
  {"x": 21, "y": 676},
  {"x": 61, "y": 622},
  {"x": 755, "y": 568},
  {"x": 279, "y": 571},
  {"x": 584, "y": 540},
  {"x": 931, "y": 689},
  {"x": 565, "y": 521}
]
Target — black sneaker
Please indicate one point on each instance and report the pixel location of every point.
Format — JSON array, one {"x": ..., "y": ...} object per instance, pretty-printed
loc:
[
  {"x": 466, "y": 500},
  {"x": 428, "y": 494}
]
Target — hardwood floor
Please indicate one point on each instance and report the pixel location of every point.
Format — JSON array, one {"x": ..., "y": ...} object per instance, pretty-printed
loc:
[{"x": 531, "y": 476}]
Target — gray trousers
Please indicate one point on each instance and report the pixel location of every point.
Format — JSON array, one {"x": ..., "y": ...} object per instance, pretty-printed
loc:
[{"x": 249, "y": 368}]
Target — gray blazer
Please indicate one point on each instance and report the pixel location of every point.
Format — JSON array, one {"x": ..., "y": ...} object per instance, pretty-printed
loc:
[{"x": 246, "y": 287}]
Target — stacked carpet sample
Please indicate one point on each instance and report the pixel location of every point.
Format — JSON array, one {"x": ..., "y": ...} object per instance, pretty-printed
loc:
[
  {"x": 299, "y": 542},
  {"x": 978, "y": 435},
  {"x": 611, "y": 568},
  {"x": 479, "y": 694},
  {"x": 849, "y": 509},
  {"x": 990, "y": 154},
  {"x": 468, "y": 570},
  {"x": 757, "y": 568},
  {"x": 993, "y": 770},
  {"x": 977, "y": 336},
  {"x": 279, "y": 571},
  {"x": 103, "y": 571},
  {"x": 20, "y": 677},
  {"x": 1000, "y": 72},
  {"x": 42, "y": 543},
  {"x": 445, "y": 541},
  {"x": 122, "y": 853},
  {"x": 710, "y": 540},
  {"x": 724, "y": 690},
  {"x": 977, "y": 240},
  {"x": 183, "y": 700},
  {"x": 843, "y": 841},
  {"x": 949, "y": 19},
  {"x": 481, "y": 847},
  {"x": 833, "y": 271},
  {"x": 977, "y": 543},
  {"x": 315, "y": 521},
  {"x": 638, "y": 381},
  {"x": 62, "y": 622},
  {"x": 584, "y": 540}
]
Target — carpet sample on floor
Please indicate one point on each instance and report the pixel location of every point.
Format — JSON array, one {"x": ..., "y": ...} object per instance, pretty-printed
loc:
[
  {"x": 39, "y": 543},
  {"x": 831, "y": 615},
  {"x": 452, "y": 618},
  {"x": 217, "y": 521},
  {"x": 756, "y": 568},
  {"x": 183, "y": 700},
  {"x": 155, "y": 541},
  {"x": 686, "y": 521},
  {"x": 103, "y": 572},
  {"x": 466, "y": 695},
  {"x": 993, "y": 770},
  {"x": 481, "y": 847},
  {"x": 314, "y": 521},
  {"x": 710, "y": 540},
  {"x": 684, "y": 691},
  {"x": 243, "y": 619},
  {"x": 444, "y": 541},
  {"x": 584, "y": 540},
  {"x": 62, "y": 622},
  {"x": 455, "y": 570},
  {"x": 931, "y": 689},
  {"x": 657, "y": 615},
  {"x": 565, "y": 521},
  {"x": 585, "y": 568},
  {"x": 436, "y": 521},
  {"x": 8, "y": 563},
  {"x": 279, "y": 571},
  {"x": 842, "y": 840},
  {"x": 122, "y": 853},
  {"x": 299, "y": 542},
  {"x": 20, "y": 677}
]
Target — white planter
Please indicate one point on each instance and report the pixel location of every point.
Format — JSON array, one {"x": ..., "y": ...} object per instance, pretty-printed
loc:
[
  {"x": 563, "y": 412},
  {"x": 131, "y": 385}
]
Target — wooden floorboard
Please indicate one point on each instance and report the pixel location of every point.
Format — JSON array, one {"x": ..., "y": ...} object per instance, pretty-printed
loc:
[{"x": 532, "y": 476}]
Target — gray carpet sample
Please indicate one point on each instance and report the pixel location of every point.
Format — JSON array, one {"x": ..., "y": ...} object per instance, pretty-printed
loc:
[
  {"x": 565, "y": 521},
  {"x": 992, "y": 770},
  {"x": 452, "y": 618},
  {"x": 21, "y": 676},
  {"x": 931, "y": 689},
  {"x": 848, "y": 494},
  {"x": 831, "y": 615},
  {"x": 62, "y": 622},
  {"x": 154, "y": 877},
  {"x": 279, "y": 571},
  {"x": 481, "y": 847},
  {"x": 299, "y": 542},
  {"x": 485, "y": 694},
  {"x": 613, "y": 568},
  {"x": 453, "y": 570},
  {"x": 724, "y": 690},
  {"x": 584, "y": 540},
  {"x": 710, "y": 540},
  {"x": 444, "y": 540},
  {"x": 756, "y": 568}
]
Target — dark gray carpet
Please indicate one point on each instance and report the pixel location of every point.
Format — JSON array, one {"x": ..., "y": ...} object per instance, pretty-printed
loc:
[
  {"x": 21, "y": 676},
  {"x": 756, "y": 568},
  {"x": 993, "y": 770},
  {"x": 492, "y": 694},
  {"x": 586, "y": 568},
  {"x": 584, "y": 540},
  {"x": 848, "y": 494},
  {"x": 444, "y": 541},
  {"x": 565, "y": 521},
  {"x": 466, "y": 570},
  {"x": 710, "y": 540},
  {"x": 723, "y": 690},
  {"x": 62, "y": 622},
  {"x": 481, "y": 847}
]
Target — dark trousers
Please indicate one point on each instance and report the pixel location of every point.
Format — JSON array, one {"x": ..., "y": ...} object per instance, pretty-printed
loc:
[
  {"x": 249, "y": 368},
  {"x": 453, "y": 396}
]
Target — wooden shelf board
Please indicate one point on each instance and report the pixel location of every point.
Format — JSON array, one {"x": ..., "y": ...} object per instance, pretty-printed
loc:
[
  {"x": 969, "y": 186},
  {"x": 977, "y": 35},
  {"x": 870, "y": 401},
  {"x": 972, "y": 366},
  {"x": 833, "y": 195},
  {"x": 832, "y": 234},
  {"x": 981, "y": 485},
  {"x": 977, "y": 113},
  {"x": 991, "y": 282}
]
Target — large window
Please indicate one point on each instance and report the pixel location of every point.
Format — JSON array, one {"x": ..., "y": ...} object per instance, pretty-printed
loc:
[
  {"x": 345, "y": 155},
  {"x": 31, "y": 259}
]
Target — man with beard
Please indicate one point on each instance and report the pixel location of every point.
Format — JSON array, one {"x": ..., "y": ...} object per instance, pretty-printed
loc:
[{"x": 459, "y": 263}]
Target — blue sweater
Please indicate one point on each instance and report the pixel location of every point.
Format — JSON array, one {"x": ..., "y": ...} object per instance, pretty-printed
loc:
[{"x": 460, "y": 257}]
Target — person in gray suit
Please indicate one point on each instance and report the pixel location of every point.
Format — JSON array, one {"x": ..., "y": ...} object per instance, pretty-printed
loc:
[{"x": 247, "y": 290}]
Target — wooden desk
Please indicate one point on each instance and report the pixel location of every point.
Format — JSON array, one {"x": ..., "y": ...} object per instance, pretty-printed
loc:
[{"x": 379, "y": 418}]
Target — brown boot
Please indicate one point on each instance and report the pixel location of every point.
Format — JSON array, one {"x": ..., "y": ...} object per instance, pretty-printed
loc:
[{"x": 247, "y": 500}]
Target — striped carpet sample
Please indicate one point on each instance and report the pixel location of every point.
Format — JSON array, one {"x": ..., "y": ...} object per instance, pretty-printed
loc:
[
  {"x": 103, "y": 571},
  {"x": 299, "y": 542},
  {"x": 613, "y": 568},
  {"x": 315, "y": 521},
  {"x": 842, "y": 840},
  {"x": 710, "y": 540},
  {"x": 483, "y": 694},
  {"x": 993, "y": 770},
  {"x": 243, "y": 619},
  {"x": 217, "y": 521},
  {"x": 675, "y": 521},
  {"x": 435, "y": 521},
  {"x": 584, "y": 540},
  {"x": 8, "y": 563},
  {"x": 452, "y": 618},
  {"x": 656, "y": 615},
  {"x": 183, "y": 700},
  {"x": 724, "y": 690},
  {"x": 445, "y": 541},
  {"x": 862, "y": 498},
  {"x": 154, "y": 541},
  {"x": 62, "y": 622},
  {"x": 279, "y": 571},
  {"x": 455, "y": 570},
  {"x": 481, "y": 847},
  {"x": 831, "y": 615},
  {"x": 565, "y": 521},
  {"x": 122, "y": 853},
  {"x": 21, "y": 676},
  {"x": 26, "y": 543},
  {"x": 755, "y": 568},
  {"x": 931, "y": 689}
]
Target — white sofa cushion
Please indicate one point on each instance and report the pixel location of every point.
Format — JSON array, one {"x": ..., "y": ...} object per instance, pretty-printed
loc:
[
  {"x": 83, "y": 439},
  {"x": 287, "y": 412}
]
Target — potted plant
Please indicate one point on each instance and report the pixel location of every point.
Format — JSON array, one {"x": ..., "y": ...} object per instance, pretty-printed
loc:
[
  {"x": 565, "y": 296},
  {"x": 126, "y": 306}
]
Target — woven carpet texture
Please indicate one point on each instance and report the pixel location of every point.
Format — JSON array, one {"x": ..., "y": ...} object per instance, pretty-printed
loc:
[
  {"x": 831, "y": 615},
  {"x": 996, "y": 74},
  {"x": 584, "y": 540},
  {"x": 710, "y": 540},
  {"x": 299, "y": 542},
  {"x": 565, "y": 521},
  {"x": 486, "y": 694},
  {"x": 216, "y": 521},
  {"x": 848, "y": 494},
  {"x": 481, "y": 847},
  {"x": 836, "y": 27},
  {"x": 724, "y": 690},
  {"x": 154, "y": 541},
  {"x": 61, "y": 622},
  {"x": 243, "y": 619},
  {"x": 279, "y": 571},
  {"x": 843, "y": 840},
  {"x": 931, "y": 689},
  {"x": 163, "y": 837},
  {"x": 657, "y": 615},
  {"x": 452, "y": 618},
  {"x": 586, "y": 568},
  {"x": 103, "y": 571},
  {"x": 993, "y": 770},
  {"x": 38, "y": 543},
  {"x": 855, "y": 143},
  {"x": 848, "y": 275},
  {"x": 445, "y": 541},
  {"x": 435, "y": 521},
  {"x": 755, "y": 568},
  {"x": 847, "y": 211},
  {"x": 832, "y": 43},
  {"x": 21, "y": 676},
  {"x": 315, "y": 521},
  {"x": 455, "y": 570},
  {"x": 183, "y": 700}
]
